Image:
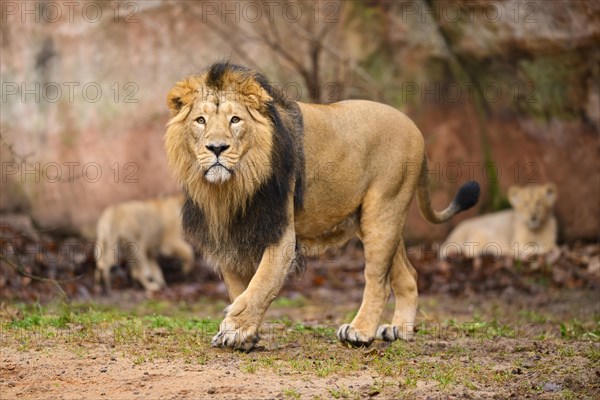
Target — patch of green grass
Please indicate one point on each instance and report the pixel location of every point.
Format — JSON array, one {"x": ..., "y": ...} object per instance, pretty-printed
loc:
[
  {"x": 565, "y": 351},
  {"x": 568, "y": 394},
  {"x": 291, "y": 393},
  {"x": 576, "y": 329},
  {"x": 155, "y": 306},
  {"x": 36, "y": 316},
  {"x": 384, "y": 368},
  {"x": 323, "y": 368},
  {"x": 501, "y": 376},
  {"x": 28, "y": 322},
  {"x": 140, "y": 359},
  {"x": 400, "y": 350},
  {"x": 286, "y": 302},
  {"x": 249, "y": 368},
  {"x": 481, "y": 329},
  {"x": 316, "y": 332},
  {"x": 160, "y": 321},
  {"x": 202, "y": 359},
  {"x": 445, "y": 375},
  {"x": 533, "y": 316},
  {"x": 300, "y": 364},
  {"x": 594, "y": 354},
  {"x": 322, "y": 361},
  {"x": 395, "y": 359},
  {"x": 267, "y": 361},
  {"x": 285, "y": 321},
  {"x": 342, "y": 393},
  {"x": 456, "y": 350},
  {"x": 410, "y": 381},
  {"x": 129, "y": 331},
  {"x": 376, "y": 388},
  {"x": 142, "y": 338}
]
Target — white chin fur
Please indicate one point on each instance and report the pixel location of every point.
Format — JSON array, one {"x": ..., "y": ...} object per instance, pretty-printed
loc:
[{"x": 217, "y": 174}]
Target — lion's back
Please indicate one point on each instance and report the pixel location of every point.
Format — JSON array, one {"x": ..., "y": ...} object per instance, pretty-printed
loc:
[
  {"x": 361, "y": 137},
  {"x": 363, "y": 122}
]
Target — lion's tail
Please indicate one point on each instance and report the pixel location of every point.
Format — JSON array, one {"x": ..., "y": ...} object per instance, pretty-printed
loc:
[{"x": 467, "y": 197}]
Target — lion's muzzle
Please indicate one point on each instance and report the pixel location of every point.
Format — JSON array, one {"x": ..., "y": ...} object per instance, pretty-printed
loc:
[{"x": 217, "y": 173}]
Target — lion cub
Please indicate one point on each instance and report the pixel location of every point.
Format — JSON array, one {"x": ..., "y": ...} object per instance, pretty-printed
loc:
[
  {"x": 139, "y": 231},
  {"x": 528, "y": 229}
]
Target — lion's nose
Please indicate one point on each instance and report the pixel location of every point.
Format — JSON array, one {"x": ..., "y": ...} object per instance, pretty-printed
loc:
[{"x": 218, "y": 148}]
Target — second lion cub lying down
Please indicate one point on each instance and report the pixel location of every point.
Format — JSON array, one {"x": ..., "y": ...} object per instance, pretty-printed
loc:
[
  {"x": 527, "y": 230},
  {"x": 139, "y": 231}
]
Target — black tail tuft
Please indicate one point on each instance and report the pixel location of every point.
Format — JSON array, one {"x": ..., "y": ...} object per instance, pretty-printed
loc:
[{"x": 467, "y": 195}]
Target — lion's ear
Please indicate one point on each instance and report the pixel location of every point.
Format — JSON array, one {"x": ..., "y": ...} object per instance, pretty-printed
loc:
[
  {"x": 183, "y": 94},
  {"x": 175, "y": 98},
  {"x": 255, "y": 96},
  {"x": 550, "y": 189},
  {"x": 513, "y": 195},
  {"x": 260, "y": 98}
]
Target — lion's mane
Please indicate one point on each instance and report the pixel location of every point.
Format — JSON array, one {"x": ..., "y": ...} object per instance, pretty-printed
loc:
[{"x": 234, "y": 223}]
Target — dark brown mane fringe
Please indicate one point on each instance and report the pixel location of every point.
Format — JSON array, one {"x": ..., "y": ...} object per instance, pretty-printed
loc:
[{"x": 265, "y": 218}]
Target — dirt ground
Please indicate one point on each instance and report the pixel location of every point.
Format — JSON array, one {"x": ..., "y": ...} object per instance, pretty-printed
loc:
[
  {"x": 500, "y": 346},
  {"x": 504, "y": 330}
]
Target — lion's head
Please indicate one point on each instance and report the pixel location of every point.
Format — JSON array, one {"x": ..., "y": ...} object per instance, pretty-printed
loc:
[
  {"x": 234, "y": 143},
  {"x": 532, "y": 203},
  {"x": 219, "y": 139}
]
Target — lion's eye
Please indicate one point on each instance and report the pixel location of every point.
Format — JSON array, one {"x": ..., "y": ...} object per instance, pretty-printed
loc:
[
  {"x": 235, "y": 120},
  {"x": 201, "y": 120}
]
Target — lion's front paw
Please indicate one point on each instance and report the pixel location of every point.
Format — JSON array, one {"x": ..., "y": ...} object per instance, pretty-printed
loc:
[
  {"x": 348, "y": 334},
  {"x": 389, "y": 333},
  {"x": 239, "y": 338}
]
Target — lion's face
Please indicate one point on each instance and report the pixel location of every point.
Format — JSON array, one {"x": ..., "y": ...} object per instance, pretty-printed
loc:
[
  {"x": 533, "y": 203},
  {"x": 218, "y": 135},
  {"x": 219, "y": 139}
]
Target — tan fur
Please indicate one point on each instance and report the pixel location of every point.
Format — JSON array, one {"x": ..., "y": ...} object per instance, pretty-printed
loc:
[
  {"x": 527, "y": 230},
  {"x": 139, "y": 231},
  {"x": 364, "y": 162}
]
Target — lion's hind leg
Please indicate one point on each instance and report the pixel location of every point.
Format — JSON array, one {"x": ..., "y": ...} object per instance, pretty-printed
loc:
[
  {"x": 404, "y": 285},
  {"x": 380, "y": 233}
]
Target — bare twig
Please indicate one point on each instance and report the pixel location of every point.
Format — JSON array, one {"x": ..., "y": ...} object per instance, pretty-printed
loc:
[
  {"x": 21, "y": 271},
  {"x": 24, "y": 159},
  {"x": 13, "y": 153}
]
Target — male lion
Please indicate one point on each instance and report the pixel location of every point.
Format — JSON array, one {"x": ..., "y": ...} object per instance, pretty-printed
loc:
[
  {"x": 527, "y": 230},
  {"x": 263, "y": 174},
  {"x": 140, "y": 231}
]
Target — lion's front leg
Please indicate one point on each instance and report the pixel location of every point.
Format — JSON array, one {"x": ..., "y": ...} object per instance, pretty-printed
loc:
[{"x": 239, "y": 329}]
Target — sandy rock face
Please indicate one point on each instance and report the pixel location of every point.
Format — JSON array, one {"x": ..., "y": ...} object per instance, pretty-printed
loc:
[{"x": 83, "y": 99}]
